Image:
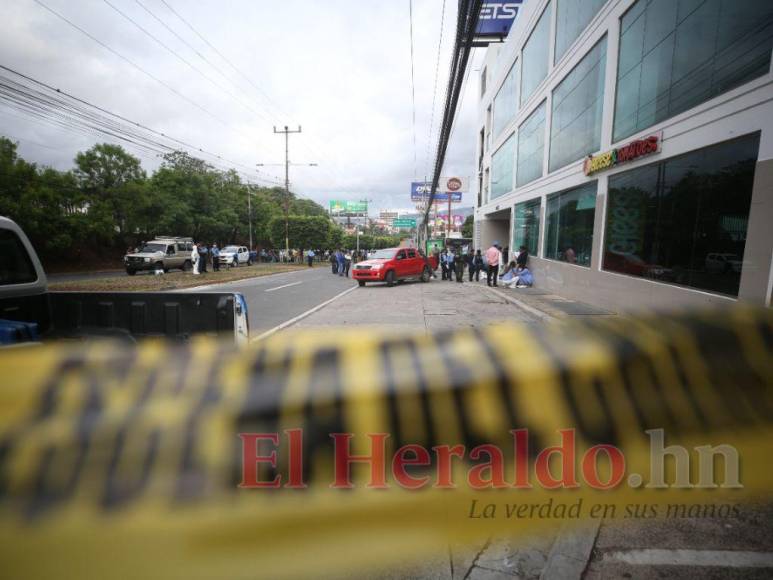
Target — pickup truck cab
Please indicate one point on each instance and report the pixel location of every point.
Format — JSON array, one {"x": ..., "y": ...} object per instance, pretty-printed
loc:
[
  {"x": 393, "y": 265},
  {"x": 29, "y": 311}
]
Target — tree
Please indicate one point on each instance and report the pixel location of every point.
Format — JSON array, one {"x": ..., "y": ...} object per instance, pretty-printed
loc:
[
  {"x": 467, "y": 226},
  {"x": 304, "y": 232},
  {"x": 111, "y": 180}
]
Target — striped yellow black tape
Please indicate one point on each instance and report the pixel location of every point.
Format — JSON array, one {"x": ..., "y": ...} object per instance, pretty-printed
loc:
[{"x": 119, "y": 462}]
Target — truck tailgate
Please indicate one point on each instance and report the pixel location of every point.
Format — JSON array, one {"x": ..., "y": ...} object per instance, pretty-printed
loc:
[{"x": 176, "y": 315}]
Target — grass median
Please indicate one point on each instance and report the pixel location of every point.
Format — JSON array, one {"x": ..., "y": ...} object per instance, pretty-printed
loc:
[{"x": 173, "y": 280}]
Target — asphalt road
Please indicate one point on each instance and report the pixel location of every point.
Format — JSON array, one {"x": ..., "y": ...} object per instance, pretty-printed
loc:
[{"x": 272, "y": 300}]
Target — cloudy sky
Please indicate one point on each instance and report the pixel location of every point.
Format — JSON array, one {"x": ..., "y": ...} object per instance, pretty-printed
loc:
[{"x": 339, "y": 68}]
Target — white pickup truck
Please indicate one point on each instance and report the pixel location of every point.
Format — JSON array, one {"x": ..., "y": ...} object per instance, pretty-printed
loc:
[{"x": 29, "y": 311}]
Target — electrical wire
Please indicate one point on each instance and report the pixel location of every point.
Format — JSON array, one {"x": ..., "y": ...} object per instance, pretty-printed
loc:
[{"x": 413, "y": 89}]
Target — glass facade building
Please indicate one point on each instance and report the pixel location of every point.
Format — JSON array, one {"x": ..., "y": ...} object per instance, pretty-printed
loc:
[
  {"x": 531, "y": 147},
  {"x": 578, "y": 104},
  {"x": 676, "y": 54},
  {"x": 536, "y": 56},
  {"x": 683, "y": 220},
  {"x": 526, "y": 226},
  {"x": 506, "y": 101},
  {"x": 670, "y": 105},
  {"x": 502, "y": 168},
  {"x": 572, "y": 16},
  {"x": 569, "y": 218}
]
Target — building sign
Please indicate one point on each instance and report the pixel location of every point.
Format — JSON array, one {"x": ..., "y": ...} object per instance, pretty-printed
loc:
[
  {"x": 624, "y": 154},
  {"x": 404, "y": 223},
  {"x": 344, "y": 208},
  {"x": 453, "y": 186},
  {"x": 497, "y": 17}
]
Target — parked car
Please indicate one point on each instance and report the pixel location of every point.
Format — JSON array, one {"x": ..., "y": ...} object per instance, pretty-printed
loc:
[
  {"x": 393, "y": 265},
  {"x": 160, "y": 254},
  {"x": 718, "y": 263},
  {"x": 234, "y": 256},
  {"x": 30, "y": 312}
]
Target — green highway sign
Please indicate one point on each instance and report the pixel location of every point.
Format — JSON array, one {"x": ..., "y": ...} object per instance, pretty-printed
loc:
[{"x": 404, "y": 223}]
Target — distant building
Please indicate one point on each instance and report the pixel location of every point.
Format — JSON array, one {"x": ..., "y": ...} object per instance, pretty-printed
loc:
[{"x": 628, "y": 144}]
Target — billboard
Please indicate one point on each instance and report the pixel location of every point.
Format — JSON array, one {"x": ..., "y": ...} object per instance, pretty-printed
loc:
[
  {"x": 404, "y": 223},
  {"x": 497, "y": 18},
  {"x": 449, "y": 185},
  {"x": 341, "y": 207}
]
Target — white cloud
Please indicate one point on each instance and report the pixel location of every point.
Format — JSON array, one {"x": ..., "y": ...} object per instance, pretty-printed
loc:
[{"x": 340, "y": 68}]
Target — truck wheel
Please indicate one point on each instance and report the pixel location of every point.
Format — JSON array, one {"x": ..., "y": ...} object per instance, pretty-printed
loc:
[
  {"x": 131, "y": 272},
  {"x": 159, "y": 266},
  {"x": 235, "y": 263},
  {"x": 390, "y": 278},
  {"x": 187, "y": 266},
  {"x": 426, "y": 275},
  {"x": 361, "y": 282}
]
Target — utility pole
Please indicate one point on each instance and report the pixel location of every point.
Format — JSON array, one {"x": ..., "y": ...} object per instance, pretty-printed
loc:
[{"x": 286, "y": 131}]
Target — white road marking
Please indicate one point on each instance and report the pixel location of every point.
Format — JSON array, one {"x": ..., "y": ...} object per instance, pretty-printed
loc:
[
  {"x": 292, "y": 321},
  {"x": 284, "y": 286},
  {"x": 718, "y": 558}
]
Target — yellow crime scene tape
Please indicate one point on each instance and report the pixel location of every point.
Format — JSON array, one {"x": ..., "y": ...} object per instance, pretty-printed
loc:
[{"x": 127, "y": 462}]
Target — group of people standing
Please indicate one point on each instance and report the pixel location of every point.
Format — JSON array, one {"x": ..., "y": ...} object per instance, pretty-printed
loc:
[
  {"x": 513, "y": 274},
  {"x": 203, "y": 255},
  {"x": 340, "y": 262}
]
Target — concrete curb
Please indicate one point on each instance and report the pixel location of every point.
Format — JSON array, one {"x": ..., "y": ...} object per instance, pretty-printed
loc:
[
  {"x": 301, "y": 316},
  {"x": 521, "y": 304},
  {"x": 570, "y": 554}
]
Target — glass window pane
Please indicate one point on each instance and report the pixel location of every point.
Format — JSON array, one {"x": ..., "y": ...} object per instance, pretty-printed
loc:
[
  {"x": 526, "y": 227},
  {"x": 502, "y": 168},
  {"x": 531, "y": 146},
  {"x": 506, "y": 101},
  {"x": 571, "y": 19},
  {"x": 578, "y": 104},
  {"x": 535, "y": 56},
  {"x": 687, "y": 51},
  {"x": 570, "y": 215},
  {"x": 683, "y": 221}
]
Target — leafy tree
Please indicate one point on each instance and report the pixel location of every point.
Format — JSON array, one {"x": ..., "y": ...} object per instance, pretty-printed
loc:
[{"x": 467, "y": 226}]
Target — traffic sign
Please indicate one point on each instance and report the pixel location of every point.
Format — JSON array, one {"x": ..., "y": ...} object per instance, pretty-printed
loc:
[{"x": 404, "y": 223}]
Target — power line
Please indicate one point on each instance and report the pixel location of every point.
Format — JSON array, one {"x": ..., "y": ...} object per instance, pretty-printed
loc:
[
  {"x": 270, "y": 102},
  {"x": 467, "y": 20},
  {"x": 182, "y": 59},
  {"x": 413, "y": 88},
  {"x": 434, "y": 89},
  {"x": 69, "y": 111}
]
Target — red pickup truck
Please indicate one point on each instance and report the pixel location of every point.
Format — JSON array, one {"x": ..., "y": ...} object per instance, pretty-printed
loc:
[{"x": 392, "y": 265}]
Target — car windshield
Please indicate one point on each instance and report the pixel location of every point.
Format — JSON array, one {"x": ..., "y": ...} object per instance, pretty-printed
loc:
[
  {"x": 233, "y": 249},
  {"x": 150, "y": 248},
  {"x": 383, "y": 255}
]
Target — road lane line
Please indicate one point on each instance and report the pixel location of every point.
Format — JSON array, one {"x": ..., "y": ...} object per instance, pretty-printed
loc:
[
  {"x": 717, "y": 558},
  {"x": 285, "y": 286},
  {"x": 295, "y": 319}
]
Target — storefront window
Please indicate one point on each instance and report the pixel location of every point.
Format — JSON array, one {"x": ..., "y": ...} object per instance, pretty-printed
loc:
[
  {"x": 578, "y": 104},
  {"x": 531, "y": 146},
  {"x": 535, "y": 56},
  {"x": 571, "y": 19},
  {"x": 506, "y": 101},
  {"x": 684, "y": 220},
  {"x": 675, "y": 55},
  {"x": 569, "y": 217},
  {"x": 502, "y": 168},
  {"x": 526, "y": 230}
]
